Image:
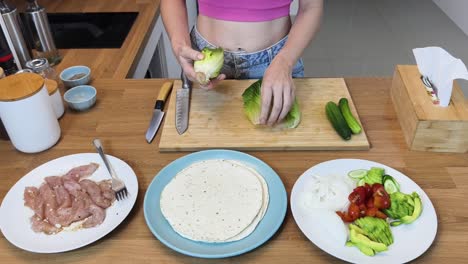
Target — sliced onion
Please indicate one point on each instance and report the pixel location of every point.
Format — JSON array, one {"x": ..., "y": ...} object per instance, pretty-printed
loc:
[{"x": 327, "y": 192}]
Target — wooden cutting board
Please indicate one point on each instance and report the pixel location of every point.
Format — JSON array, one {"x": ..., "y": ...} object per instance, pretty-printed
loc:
[{"x": 217, "y": 120}]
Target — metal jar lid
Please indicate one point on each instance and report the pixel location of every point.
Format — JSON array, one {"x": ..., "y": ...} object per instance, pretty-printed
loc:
[{"x": 38, "y": 65}]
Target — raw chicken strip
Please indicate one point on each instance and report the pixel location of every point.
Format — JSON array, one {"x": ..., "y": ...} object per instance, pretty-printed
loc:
[
  {"x": 30, "y": 195},
  {"x": 97, "y": 216},
  {"x": 72, "y": 187},
  {"x": 81, "y": 204},
  {"x": 53, "y": 181},
  {"x": 95, "y": 193},
  {"x": 81, "y": 172},
  {"x": 34, "y": 200},
  {"x": 61, "y": 194},
  {"x": 106, "y": 189},
  {"x": 38, "y": 225},
  {"x": 49, "y": 198}
]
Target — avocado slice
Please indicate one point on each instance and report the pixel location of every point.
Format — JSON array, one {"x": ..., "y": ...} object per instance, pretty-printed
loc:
[
  {"x": 375, "y": 229},
  {"x": 366, "y": 250},
  {"x": 357, "y": 229},
  {"x": 416, "y": 212},
  {"x": 363, "y": 242}
]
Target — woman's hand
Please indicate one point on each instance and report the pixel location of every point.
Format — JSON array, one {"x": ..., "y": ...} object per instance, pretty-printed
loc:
[
  {"x": 186, "y": 56},
  {"x": 278, "y": 91}
]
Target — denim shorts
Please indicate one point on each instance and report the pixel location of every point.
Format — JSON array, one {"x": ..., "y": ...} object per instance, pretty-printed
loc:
[{"x": 246, "y": 65}]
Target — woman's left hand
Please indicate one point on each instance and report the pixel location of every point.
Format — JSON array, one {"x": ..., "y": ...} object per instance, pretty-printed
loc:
[{"x": 278, "y": 91}]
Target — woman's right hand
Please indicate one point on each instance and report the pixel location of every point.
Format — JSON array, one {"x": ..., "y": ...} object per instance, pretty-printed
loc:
[{"x": 186, "y": 56}]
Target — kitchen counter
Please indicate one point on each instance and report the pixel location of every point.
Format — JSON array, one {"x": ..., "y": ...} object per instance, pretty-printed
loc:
[
  {"x": 107, "y": 63},
  {"x": 120, "y": 120}
]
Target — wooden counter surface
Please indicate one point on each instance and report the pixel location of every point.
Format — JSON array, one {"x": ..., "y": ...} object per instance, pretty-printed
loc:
[
  {"x": 106, "y": 63},
  {"x": 120, "y": 119}
]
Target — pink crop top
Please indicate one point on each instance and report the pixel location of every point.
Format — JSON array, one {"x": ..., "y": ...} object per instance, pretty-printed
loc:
[{"x": 244, "y": 10}]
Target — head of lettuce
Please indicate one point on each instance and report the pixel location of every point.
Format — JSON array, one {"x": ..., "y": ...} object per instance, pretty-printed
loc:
[
  {"x": 210, "y": 66},
  {"x": 253, "y": 106}
]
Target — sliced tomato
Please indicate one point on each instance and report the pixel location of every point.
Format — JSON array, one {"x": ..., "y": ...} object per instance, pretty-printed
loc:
[
  {"x": 381, "y": 202},
  {"x": 354, "y": 211},
  {"x": 377, "y": 187},
  {"x": 370, "y": 202},
  {"x": 358, "y": 196},
  {"x": 362, "y": 210},
  {"x": 340, "y": 214},
  {"x": 368, "y": 190},
  {"x": 355, "y": 198},
  {"x": 380, "y": 214},
  {"x": 371, "y": 212},
  {"x": 345, "y": 216}
]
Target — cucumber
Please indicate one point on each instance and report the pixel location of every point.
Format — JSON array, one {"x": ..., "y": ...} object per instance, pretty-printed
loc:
[
  {"x": 337, "y": 120},
  {"x": 357, "y": 174},
  {"x": 348, "y": 116},
  {"x": 390, "y": 184},
  {"x": 361, "y": 182}
]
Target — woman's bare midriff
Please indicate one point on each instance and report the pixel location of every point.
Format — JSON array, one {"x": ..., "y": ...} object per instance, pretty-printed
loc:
[{"x": 246, "y": 36}]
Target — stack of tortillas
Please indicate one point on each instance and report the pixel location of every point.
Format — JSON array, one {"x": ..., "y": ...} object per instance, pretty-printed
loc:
[{"x": 215, "y": 201}]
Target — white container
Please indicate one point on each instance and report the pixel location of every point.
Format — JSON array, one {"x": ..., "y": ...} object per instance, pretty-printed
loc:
[
  {"x": 55, "y": 97},
  {"x": 27, "y": 113}
]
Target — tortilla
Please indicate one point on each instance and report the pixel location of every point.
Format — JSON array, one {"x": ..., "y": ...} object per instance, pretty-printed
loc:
[
  {"x": 212, "y": 200},
  {"x": 266, "y": 199}
]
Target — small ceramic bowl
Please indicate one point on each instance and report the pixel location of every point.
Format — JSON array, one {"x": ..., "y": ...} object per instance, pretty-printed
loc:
[
  {"x": 80, "y": 98},
  {"x": 75, "y": 75}
]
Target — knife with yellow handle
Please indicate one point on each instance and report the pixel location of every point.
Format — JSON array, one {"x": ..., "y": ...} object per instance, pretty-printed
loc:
[{"x": 158, "y": 113}]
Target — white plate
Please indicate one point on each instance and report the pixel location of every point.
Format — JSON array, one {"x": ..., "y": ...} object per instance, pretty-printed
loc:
[
  {"x": 410, "y": 241},
  {"x": 15, "y": 224}
]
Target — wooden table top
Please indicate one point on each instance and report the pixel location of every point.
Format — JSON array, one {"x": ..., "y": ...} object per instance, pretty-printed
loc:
[
  {"x": 106, "y": 63},
  {"x": 120, "y": 119}
]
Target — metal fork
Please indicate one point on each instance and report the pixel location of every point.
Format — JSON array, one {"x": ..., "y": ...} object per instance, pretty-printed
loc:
[{"x": 117, "y": 184}]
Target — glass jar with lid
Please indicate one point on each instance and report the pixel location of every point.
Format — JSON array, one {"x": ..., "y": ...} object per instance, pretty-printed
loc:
[{"x": 41, "y": 66}]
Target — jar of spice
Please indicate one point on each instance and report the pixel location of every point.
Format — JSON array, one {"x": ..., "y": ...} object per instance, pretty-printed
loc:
[{"x": 41, "y": 66}]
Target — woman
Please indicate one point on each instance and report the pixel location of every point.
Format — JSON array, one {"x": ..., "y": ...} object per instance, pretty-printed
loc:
[{"x": 258, "y": 39}]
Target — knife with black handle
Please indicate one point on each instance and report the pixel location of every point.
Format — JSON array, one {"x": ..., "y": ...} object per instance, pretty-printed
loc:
[{"x": 158, "y": 113}]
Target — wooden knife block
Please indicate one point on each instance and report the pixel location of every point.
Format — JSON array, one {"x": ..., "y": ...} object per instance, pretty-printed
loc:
[{"x": 428, "y": 127}]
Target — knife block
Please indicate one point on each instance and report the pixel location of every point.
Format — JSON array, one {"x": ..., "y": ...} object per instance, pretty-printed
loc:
[{"x": 426, "y": 126}]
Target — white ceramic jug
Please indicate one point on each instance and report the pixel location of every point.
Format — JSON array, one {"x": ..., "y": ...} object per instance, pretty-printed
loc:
[{"x": 27, "y": 113}]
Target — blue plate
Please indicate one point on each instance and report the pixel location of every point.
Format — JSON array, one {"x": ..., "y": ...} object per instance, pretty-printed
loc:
[{"x": 270, "y": 223}]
